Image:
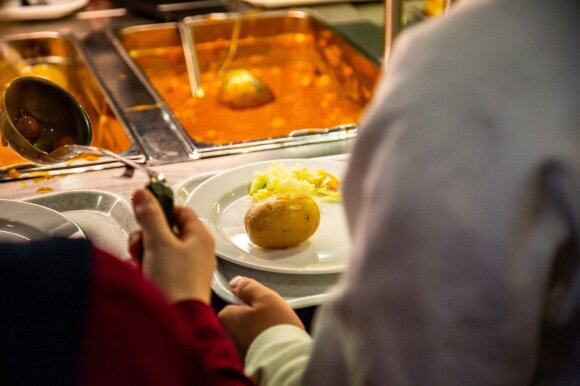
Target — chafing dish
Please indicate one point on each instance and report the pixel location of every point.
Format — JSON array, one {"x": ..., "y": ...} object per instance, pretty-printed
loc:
[{"x": 320, "y": 80}]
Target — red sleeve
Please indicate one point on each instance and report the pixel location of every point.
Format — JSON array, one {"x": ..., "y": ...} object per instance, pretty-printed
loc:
[
  {"x": 214, "y": 350},
  {"x": 134, "y": 337}
]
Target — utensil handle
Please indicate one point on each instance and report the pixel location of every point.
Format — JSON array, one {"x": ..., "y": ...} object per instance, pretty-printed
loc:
[{"x": 164, "y": 195}]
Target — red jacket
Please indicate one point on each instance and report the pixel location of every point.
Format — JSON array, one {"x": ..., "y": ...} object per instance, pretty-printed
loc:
[
  {"x": 73, "y": 315},
  {"x": 134, "y": 337}
]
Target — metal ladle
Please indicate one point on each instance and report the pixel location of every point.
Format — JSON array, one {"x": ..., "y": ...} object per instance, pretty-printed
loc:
[
  {"x": 239, "y": 89},
  {"x": 45, "y": 124}
]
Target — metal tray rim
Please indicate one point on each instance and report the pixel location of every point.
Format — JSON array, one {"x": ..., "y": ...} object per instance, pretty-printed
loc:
[{"x": 203, "y": 150}]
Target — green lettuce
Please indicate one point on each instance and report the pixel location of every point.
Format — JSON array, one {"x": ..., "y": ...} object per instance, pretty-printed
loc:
[{"x": 279, "y": 179}]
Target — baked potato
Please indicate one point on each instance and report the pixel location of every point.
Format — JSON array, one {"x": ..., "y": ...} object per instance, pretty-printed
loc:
[{"x": 282, "y": 220}]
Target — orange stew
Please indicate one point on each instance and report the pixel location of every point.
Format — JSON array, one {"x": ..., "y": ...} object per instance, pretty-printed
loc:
[{"x": 306, "y": 96}]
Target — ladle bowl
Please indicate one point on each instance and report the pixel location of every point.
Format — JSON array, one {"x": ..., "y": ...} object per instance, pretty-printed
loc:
[
  {"x": 40, "y": 117},
  {"x": 241, "y": 90}
]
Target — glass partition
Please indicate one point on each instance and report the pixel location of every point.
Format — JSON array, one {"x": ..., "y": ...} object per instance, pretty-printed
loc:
[{"x": 402, "y": 14}]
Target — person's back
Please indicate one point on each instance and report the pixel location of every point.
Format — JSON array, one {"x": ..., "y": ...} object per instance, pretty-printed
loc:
[
  {"x": 463, "y": 201},
  {"x": 471, "y": 161}
]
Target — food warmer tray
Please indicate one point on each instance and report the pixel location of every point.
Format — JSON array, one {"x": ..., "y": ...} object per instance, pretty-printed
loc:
[
  {"x": 273, "y": 44},
  {"x": 60, "y": 57}
]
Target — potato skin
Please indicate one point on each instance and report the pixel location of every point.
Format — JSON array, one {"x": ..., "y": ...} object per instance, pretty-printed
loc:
[{"x": 282, "y": 220}]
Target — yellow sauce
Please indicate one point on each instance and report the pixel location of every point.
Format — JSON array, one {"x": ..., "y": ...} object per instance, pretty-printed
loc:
[{"x": 44, "y": 189}]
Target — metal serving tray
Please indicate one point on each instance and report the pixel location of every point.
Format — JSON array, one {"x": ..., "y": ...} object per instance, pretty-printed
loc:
[
  {"x": 63, "y": 54},
  {"x": 106, "y": 218},
  {"x": 269, "y": 41}
]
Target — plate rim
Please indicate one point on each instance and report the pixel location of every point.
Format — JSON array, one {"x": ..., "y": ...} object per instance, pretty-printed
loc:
[
  {"x": 251, "y": 166},
  {"x": 78, "y": 232}
]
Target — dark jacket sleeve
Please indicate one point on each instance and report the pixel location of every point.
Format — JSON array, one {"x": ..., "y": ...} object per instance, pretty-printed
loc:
[{"x": 43, "y": 303}]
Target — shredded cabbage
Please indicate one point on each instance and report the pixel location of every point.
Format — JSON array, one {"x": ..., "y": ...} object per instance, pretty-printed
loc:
[{"x": 279, "y": 179}]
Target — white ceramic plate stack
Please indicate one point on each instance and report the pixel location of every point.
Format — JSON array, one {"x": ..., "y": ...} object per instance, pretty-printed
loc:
[
  {"x": 53, "y": 9},
  {"x": 221, "y": 202}
]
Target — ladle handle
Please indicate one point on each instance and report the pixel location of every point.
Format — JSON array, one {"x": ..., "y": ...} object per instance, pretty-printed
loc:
[
  {"x": 164, "y": 195},
  {"x": 157, "y": 184},
  {"x": 191, "y": 61}
]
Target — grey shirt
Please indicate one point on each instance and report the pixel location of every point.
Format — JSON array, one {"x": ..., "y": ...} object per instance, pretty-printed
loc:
[{"x": 463, "y": 202}]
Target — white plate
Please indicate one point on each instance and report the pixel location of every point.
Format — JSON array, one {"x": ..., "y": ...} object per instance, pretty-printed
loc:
[
  {"x": 12, "y": 10},
  {"x": 221, "y": 203},
  {"x": 23, "y": 222}
]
